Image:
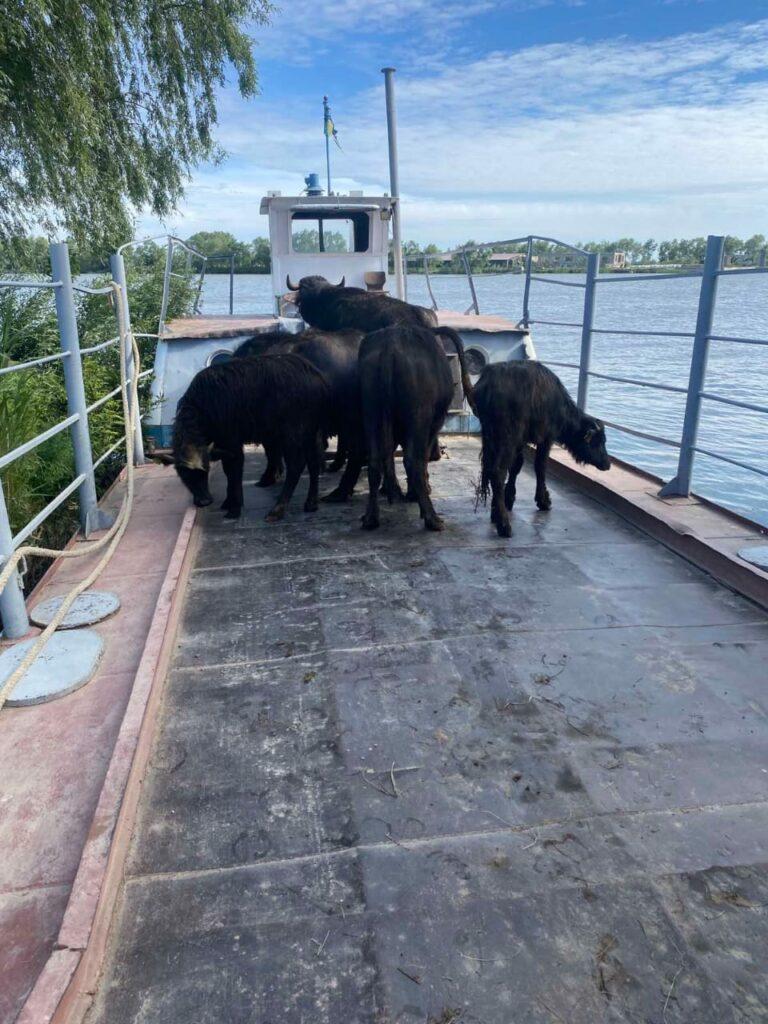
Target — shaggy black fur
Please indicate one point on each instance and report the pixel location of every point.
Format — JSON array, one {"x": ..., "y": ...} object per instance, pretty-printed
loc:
[
  {"x": 406, "y": 388},
  {"x": 523, "y": 403},
  {"x": 333, "y": 307},
  {"x": 278, "y": 399}
]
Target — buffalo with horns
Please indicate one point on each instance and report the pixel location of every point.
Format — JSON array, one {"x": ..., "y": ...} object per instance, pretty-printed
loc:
[
  {"x": 278, "y": 399},
  {"x": 523, "y": 403},
  {"x": 333, "y": 307}
]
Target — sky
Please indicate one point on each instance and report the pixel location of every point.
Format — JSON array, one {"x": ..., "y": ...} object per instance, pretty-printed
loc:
[{"x": 581, "y": 119}]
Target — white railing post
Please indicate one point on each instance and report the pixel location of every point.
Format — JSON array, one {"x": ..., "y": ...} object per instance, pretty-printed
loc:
[
  {"x": 91, "y": 518},
  {"x": 117, "y": 269},
  {"x": 166, "y": 286},
  {"x": 680, "y": 484},
  {"x": 13, "y": 611},
  {"x": 527, "y": 289},
  {"x": 585, "y": 360}
]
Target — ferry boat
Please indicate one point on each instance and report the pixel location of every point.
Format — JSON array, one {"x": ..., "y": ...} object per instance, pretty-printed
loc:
[{"x": 296, "y": 772}]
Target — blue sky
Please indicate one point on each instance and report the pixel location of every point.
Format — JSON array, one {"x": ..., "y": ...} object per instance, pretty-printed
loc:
[{"x": 574, "y": 118}]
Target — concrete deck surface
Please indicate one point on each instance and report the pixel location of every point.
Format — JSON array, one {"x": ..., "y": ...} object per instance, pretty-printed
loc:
[{"x": 581, "y": 833}]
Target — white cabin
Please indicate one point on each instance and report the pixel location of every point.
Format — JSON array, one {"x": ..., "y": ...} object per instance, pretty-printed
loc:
[{"x": 334, "y": 236}]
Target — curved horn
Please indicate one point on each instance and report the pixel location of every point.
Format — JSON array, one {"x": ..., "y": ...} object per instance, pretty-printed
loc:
[
  {"x": 341, "y": 283},
  {"x": 291, "y": 287}
]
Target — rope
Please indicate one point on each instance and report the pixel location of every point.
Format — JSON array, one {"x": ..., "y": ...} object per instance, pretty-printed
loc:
[{"x": 112, "y": 537}]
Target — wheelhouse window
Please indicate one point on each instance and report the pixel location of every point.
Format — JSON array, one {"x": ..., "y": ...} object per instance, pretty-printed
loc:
[{"x": 331, "y": 232}]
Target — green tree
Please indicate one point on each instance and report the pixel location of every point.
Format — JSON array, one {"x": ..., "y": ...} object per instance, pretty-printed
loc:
[
  {"x": 261, "y": 256},
  {"x": 308, "y": 240},
  {"x": 107, "y": 106}
]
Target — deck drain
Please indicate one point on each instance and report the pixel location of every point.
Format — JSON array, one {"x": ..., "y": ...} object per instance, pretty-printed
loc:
[
  {"x": 65, "y": 664},
  {"x": 88, "y": 608}
]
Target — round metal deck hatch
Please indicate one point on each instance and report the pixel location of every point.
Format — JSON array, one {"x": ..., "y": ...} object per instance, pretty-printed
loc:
[
  {"x": 91, "y": 607},
  {"x": 65, "y": 664},
  {"x": 756, "y": 556}
]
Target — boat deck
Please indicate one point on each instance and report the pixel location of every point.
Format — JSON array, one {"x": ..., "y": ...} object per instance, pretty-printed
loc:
[
  {"x": 224, "y": 326},
  {"x": 408, "y": 777}
]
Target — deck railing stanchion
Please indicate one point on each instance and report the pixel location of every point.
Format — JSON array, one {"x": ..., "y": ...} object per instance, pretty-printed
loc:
[
  {"x": 231, "y": 284},
  {"x": 432, "y": 298},
  {"x": 117, "y": 269},
  {"x": 394, "y": 182},
  {"x": 680, "y": 484},
  {"x": 166, "y": 286},
  {"x": 12, "y": 608},
  {"x": 527, "y": 289},
  {"x": 91, "y": 518},
  {"x": 468, "y": 272},
  {"x": 593, "y": 269}
]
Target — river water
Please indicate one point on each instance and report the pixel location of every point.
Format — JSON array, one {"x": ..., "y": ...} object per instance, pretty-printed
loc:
[{"x": 734, "y": 371}]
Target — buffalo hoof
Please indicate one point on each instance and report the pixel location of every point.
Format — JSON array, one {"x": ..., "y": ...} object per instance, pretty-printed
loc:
[
  {"x": 233, "y": 513},
  {"x": 203, "y": 502},
  {"x": 268, "y": 479},
  {"x": 504, "y": 529},
  {"x": 434, "y": 523},
  {"x": 370, "y": 522},
  {"x": 336, "y": 497},
  {"x": 544, "y": 503},
  {"x": 275, "y": 515},
  {"x": 311, "y": 506}
]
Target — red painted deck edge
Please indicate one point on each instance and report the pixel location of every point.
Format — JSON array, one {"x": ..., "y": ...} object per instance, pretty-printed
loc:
[{"x": 61, "y": 993}]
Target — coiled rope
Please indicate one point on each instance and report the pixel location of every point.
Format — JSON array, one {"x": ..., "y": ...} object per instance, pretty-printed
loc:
[{"x": 112, "y": 537}]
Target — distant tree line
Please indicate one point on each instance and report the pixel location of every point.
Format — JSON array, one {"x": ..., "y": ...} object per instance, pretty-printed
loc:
[{"x": 30, "y": 254}]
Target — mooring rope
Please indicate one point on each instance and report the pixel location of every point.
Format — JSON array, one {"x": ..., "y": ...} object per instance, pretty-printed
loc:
[{"x": 112, "y": 537}]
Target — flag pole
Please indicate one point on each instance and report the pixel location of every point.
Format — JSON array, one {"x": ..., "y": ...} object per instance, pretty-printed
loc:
[{"x": 326, "y": 115}]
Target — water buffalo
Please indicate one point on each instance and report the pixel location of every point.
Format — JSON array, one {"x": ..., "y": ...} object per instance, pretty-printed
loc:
[
  {"x": 334, "y": 353},
  {"x": 523, "y": 403},
  {"x": 333, "y": 307},
  {"x": 406, "y": 388},
  {"x": 279, "y": 398}
]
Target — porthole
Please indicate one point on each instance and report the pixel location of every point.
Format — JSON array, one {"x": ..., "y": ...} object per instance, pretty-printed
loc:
[
  {"x": 477, "y": 360},
  {"x": 222, "y": 356}
]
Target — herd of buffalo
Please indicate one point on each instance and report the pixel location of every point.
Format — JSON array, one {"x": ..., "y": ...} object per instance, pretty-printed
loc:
[{"x": 375, "y": 372}]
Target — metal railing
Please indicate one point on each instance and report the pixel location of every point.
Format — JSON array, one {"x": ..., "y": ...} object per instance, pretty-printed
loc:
[
  {"x": 695, "y": 391},
  {"x": 12, "y": 606}
]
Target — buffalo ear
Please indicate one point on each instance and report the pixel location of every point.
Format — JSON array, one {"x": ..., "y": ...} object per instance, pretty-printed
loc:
[
  {"x": 593, "y": 429},
  {"x": 192, "y": 457},
  {"x": 162, "y": 458}
]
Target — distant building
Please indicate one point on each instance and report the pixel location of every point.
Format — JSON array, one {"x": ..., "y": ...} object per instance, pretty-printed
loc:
[
  {"x": 619, "y": 261},
  {"x": 509, "y": 259}
]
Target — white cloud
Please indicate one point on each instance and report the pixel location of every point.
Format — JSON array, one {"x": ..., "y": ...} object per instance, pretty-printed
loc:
[{"x": 608, "y": 138}]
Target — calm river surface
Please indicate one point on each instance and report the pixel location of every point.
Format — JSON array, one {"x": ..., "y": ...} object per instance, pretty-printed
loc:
[{"x": 734, "y": 371}]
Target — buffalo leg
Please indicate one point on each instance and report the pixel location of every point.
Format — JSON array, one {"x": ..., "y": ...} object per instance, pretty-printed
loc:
[
  {"x": 314, "y": 458},
  {"x": 370, "y": 520},
  {"x": 294, "y": 466},
  {"x": 510, "y": 491},
  {"x": 499, "y": 514},
  {"x": 233, "y": 470},
  {"x": 343, "y": 491},
  {"x": 543, "y": 500},
  {"x": 274, "y": 469},
  {"x": 416, "y": 471}
]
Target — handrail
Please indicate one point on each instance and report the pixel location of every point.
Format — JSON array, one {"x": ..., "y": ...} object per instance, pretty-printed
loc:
[
  {"x": 35, "y": 442},
  {"x": 695, "y": 391},
  {"x": 12, "y": 607},
  {"x": 552, "y": 280},
  {"x": 15, "y": 367}
]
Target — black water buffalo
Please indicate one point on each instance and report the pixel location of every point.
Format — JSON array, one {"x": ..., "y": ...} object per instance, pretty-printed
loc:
[
  {"x": 279, "y": 398},
  {"x": 334, "y": 353},
  {"x": 523, "y": 403},
  {"x": 334, "y": 307},
  {"x": 406, "y": 389}
]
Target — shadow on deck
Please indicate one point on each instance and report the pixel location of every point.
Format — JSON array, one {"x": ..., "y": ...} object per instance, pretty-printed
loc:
[{"x": 405, "y": 777}]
